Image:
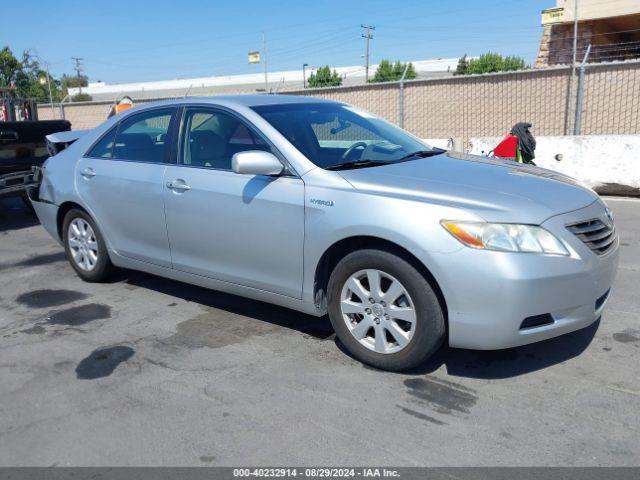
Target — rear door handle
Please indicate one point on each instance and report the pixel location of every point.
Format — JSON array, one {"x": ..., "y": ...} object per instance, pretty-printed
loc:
[
  {"x": 178, "y": 185},
  {"x": 88, "y": 173}
]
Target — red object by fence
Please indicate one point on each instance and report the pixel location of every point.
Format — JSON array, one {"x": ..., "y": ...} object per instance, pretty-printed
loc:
[{"x": 507, "y": 147}]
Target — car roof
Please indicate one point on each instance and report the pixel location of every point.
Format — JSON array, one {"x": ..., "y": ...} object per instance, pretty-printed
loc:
[
  {"x": 246, "y": 100},
  {"x": 254, "y": 100}
]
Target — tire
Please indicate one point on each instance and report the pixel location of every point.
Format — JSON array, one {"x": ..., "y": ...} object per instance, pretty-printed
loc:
[
  {"x": 90, "y": 267},
  {"x": 421, "y": 337}
]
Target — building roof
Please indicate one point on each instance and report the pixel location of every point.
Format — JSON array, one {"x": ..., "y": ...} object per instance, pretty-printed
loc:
[{"x": 277, "y": 81}]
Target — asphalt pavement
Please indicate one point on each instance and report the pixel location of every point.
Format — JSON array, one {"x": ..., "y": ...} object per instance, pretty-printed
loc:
[{"x": 148, "y": 371}]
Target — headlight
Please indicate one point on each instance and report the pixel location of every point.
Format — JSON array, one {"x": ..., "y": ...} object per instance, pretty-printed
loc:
[{"x": 505, "y": 237}]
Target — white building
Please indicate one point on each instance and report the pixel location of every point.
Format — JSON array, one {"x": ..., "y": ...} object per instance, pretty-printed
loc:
[{"x": 252, "y": 82}]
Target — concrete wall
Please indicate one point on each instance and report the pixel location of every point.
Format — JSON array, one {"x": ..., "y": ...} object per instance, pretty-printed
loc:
[{"x": 606, "y": 163}]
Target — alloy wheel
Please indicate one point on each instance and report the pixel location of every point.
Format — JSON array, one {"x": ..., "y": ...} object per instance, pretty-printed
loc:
[
  {"x": 378, "y": 311},
  {"x": 83, "y": 244}
]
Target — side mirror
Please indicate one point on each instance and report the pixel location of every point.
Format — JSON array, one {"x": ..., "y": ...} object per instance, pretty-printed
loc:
[{"x": 256, "y": 162}]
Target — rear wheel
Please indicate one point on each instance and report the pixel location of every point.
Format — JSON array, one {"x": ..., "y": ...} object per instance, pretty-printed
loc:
[
  {"x": 384, "y": 310},
  {"x": 85, "y": 247}
]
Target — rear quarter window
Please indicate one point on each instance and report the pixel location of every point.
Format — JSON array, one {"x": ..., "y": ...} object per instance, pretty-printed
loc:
[{"x": 104, "y": 147}]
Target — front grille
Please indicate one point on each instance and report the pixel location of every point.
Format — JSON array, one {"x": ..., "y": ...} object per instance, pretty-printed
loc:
[{"x": 596, "y": 234}]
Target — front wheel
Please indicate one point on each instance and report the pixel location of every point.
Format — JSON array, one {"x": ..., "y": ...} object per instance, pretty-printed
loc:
[
  {"x": 85, "y": 247},
  {"x": 384, "y": 310}
]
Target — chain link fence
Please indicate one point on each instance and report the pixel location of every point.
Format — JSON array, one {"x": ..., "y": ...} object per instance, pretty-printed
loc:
[
  {"x": 611, "y": 99},
  {"x": 462, "y": 107}
]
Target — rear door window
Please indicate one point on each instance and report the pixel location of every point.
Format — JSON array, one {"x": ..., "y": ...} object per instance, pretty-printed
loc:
[{"x": 143, "y": 137}]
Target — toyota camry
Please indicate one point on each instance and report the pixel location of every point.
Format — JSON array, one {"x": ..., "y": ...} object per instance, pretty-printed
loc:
[{"x": 323, "y": 208}]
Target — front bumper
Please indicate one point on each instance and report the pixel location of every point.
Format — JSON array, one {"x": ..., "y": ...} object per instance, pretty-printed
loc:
[{"x": 489, "y": 294}]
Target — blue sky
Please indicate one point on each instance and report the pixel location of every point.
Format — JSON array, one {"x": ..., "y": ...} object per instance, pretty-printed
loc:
[{"x": 123, "y": 41}]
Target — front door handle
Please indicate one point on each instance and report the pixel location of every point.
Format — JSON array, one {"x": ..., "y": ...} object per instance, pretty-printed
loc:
[
  {"x": 178, "y": 185},
  {"x": 88, "y": 173}
]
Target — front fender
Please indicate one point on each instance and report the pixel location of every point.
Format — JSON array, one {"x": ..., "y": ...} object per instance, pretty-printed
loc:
[{"x": 412, "y": 225}]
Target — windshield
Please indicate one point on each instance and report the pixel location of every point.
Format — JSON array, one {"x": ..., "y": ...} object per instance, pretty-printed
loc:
[{"x": 332, "y": 134}]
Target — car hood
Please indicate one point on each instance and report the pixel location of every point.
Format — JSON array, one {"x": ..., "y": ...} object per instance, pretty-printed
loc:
[{"x": 496, "y": 190}]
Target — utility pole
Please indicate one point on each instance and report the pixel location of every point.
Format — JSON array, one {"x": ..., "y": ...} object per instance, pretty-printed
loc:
[
  {"x": 580, "y": 94},
  {"x": 48, "y": 80},
  {"x": 401, "y": 97},
  {"x": 575, "y": 36},
  {"x": 264, "y": 55},
  {"x": 78, "y": 69},
  {"x": 367, "y": 36},
  {"x": 573, "y": 68},
  {"x": 49, "y": 85}
]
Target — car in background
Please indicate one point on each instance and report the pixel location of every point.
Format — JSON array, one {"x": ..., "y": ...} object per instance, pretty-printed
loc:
[
  {"x": 23, "y": 149},
  {"x": 320, "y": 207}
]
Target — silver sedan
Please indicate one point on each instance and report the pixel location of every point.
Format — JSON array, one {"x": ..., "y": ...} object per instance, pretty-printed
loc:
[{"x": 323, "y": 208}]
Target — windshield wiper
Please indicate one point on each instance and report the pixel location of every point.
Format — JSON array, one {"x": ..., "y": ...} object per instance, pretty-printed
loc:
[
  {"x": 421, "y": 154},
  {"x": 356, "y": 164},
  {"x": 374, "y": 163}
]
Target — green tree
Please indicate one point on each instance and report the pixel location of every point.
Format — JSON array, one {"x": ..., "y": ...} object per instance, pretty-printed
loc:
[
  {"x": 463, "y": 66},
  {"x": 324, "y": 77},
  {"x": 10, "y": 68},
  {"x": 494, "y": 62},
  {"x": 74, "y": 81},
  {"x": 34, "y": 80},
  {"x": 27, "y": 77},
  {"x": 392, "y": 72},
  {"x": 514, "y": 63}
]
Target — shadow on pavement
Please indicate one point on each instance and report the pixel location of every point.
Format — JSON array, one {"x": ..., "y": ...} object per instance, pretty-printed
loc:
[
  {"x": 491, "y": 364},
  {"x": 318, "y": 327},
  {"x": 512, "y": 362},
  {"x": 14, "y": 214},
  {"x": 505, "y": 363}
]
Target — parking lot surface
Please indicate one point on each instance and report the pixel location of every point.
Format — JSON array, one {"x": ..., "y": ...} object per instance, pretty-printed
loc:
[{"x": 148, "y": 371}]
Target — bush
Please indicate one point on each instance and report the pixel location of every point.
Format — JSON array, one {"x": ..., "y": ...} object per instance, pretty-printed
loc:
[
  {"x": 490, "y": 63},
  {"x": 324, "y": 77},
  {"x": 392, "y": 72},
  {"x": 463, "y": 66},
  {"x": 81, "y": 97}
]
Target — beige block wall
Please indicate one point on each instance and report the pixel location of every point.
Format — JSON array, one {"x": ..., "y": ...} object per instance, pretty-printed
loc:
[
  {"x": 45, "y": 112},
  {"x": 466, "y": 106},
  {"x": 381, "y": 100},
  {"x": 81, "y": 115},
  {"x": 612, "y": 100},
  {"x": 486, "y": 105},
  {"x": 475, "y": 106}
]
